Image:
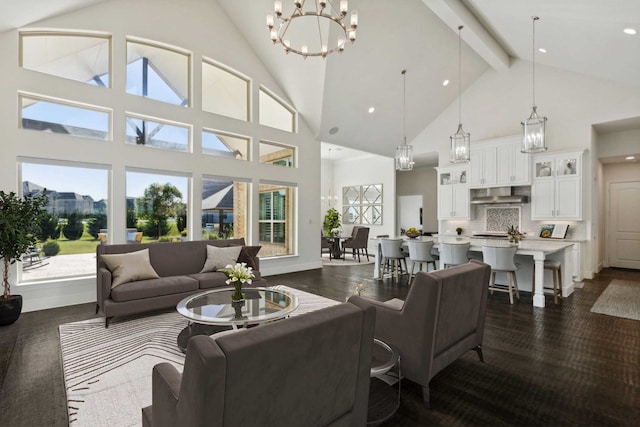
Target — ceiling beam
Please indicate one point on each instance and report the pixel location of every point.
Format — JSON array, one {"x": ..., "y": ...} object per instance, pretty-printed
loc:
[{"x": 454, "y": 13}]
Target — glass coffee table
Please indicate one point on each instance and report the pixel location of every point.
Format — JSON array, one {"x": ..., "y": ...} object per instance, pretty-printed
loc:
[{"x": 213, "y": 311}]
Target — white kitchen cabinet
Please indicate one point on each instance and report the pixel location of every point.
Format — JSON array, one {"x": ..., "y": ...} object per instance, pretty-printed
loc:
[
  {"x": 556, "y": 192},
  {"x": 499, "y": 163},
  {"x": 512, "y": 165},
  {"x": 483, "y": 166},
  {"x": 453, "y": 193}
]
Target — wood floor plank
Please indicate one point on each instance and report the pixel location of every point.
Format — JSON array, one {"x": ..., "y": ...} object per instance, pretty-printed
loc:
[{"x": 555, "y": 366}]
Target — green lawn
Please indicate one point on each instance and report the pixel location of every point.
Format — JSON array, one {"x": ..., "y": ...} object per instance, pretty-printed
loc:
[{"x": 87, "y": 244}]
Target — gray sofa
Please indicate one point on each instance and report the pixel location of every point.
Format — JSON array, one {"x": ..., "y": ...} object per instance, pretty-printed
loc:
[
  {"x": 178, "y": 266},
  {"x": 441, "y": 319},
  {"x": 307, "y": 370}
]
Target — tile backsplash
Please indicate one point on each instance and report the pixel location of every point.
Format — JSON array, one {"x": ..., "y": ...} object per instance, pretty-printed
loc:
[{"x": 487, "y": 218}]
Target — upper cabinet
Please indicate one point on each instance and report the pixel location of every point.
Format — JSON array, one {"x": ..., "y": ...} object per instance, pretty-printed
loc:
[
  {"x": 556, "y": 192},
  {"x": 453, "y": 192},
  {"x": 499, "y": 163}
]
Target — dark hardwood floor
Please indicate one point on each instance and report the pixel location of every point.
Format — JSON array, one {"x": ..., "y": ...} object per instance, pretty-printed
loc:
[{"x": 561, "y": 365}]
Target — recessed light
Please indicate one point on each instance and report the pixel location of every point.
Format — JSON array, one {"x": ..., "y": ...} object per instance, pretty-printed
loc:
[
  {"x": 445, "y": 83},
  {"x": 630, "y": 158},
  {"x": 630, "y": 31},
  {"x": 371, "y": 110},
  {"x": 542, "y": 50}
]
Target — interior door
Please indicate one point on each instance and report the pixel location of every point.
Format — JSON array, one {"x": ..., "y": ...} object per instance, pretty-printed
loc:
[{"x": 624, "y": 227}]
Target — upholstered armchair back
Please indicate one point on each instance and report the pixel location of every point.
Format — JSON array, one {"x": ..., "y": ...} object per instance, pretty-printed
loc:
[
  {"x": 308, "y": 370},
  {"x": 441, "y": 318}
]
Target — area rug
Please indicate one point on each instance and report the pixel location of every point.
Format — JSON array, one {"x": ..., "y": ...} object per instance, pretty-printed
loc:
[
  {"x": 620, "y": 299},
  {"x": 107, "y": 371},
  {"x": 347, "y": 261}
]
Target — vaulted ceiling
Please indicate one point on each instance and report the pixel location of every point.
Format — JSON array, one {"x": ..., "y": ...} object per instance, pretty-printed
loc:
[{"x": 333, "y": 95}]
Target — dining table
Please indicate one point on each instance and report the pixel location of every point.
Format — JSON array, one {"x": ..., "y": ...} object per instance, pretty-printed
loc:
[{"x": 531, "y": 254}]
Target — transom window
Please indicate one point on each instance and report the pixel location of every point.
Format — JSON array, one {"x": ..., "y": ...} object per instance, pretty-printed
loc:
[
  {"x": 67, "y": 118},
  {"x": 142, "y": 131},
  {"x": 81, "y": 57},
  {"x": 277, "y": 154},
  {"x": 224, "y": 92},
  {"x": 275, "y": 113},
  {"x": 224, "y": 144},
  {"x": 158, "y": 73}
]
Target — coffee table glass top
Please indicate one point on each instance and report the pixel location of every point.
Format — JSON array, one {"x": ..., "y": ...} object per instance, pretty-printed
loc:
[{"x": 260, "y": 305}]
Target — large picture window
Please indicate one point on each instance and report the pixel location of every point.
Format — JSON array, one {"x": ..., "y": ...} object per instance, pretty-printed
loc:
[
  {"x": 224, "y": 208},
  {"x": 81, "y": 57},
  {"x": 276, "y": 219},
  {"x": 156, "y": 206},
  {"x": 76, "y": 213}
]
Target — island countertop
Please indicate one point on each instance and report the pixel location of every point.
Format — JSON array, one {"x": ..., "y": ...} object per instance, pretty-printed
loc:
[{"x": 539, "y": 249}]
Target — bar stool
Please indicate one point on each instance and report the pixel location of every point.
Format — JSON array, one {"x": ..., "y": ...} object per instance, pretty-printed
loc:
[
  {"x": 392, "y": 253},
  {"x": 501, "y": 259},
  {"x": 556, "y": 272},
  {"x": 420, "y": 253},
  {"x": 453, "y": 254}
]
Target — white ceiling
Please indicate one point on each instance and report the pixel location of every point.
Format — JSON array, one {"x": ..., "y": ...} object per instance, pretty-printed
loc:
[{"x": 583, "y": 36}]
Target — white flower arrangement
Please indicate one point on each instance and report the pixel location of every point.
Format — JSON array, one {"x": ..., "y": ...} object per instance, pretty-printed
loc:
[
  {"x": 336, "y": 231},
  {"x": 238, "y": 273},
  {"x": 358, "y": 288}
]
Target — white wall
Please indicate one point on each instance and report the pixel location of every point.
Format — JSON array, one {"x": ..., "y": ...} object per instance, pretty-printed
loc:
[
  {"x": 421, "y": 181},
  {"x": 495, "y": 105},
  {"x": 204, "y": 30},
  {"x": 371, "y": 169},
  {"x": 619, "y": 143}
]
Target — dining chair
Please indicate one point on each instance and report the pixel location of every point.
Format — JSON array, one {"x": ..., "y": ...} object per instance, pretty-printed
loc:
[
  {"x": 502, "y": 259},
  {"x": 357, "y": 243}
]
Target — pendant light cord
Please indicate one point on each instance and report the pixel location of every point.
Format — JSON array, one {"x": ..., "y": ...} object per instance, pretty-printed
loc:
[
  {"x": 460, "y": 74},
  {"x": 533, "y": 56},
  {"x": 404, "y": 107}
]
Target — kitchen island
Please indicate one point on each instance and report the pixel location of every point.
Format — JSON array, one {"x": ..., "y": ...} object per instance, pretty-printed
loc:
[{"x": 530, "y": 255}]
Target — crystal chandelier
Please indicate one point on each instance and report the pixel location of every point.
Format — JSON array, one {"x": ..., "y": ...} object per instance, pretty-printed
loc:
[
  {"x": 460, "y": 141},
  {"x": 404, "y": 152},
  {"x": 533, "y": 128},
  {"x": 292, "y": 31}
]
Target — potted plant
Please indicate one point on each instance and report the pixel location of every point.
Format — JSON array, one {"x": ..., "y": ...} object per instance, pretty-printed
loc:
[
  {"x": 19, "y": 219},
  {"x": 459, "y": 230},
  {"x": 331, "y": 222}
]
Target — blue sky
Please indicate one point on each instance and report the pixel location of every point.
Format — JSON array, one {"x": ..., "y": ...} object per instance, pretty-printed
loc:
[{"x": 94, "y": 182}]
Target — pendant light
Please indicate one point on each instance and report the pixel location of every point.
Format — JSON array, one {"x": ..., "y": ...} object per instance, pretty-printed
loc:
[
  {"x": 460, "y": 141},
  {"x": 404, "y": 152},
  {"x": 533, "y": 128}
]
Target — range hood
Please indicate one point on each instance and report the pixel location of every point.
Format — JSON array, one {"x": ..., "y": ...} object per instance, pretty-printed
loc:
[{"x": 499, "y": 195}]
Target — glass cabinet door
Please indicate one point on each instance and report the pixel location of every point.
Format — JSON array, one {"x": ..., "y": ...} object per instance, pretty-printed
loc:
[
  {"x": 567, "y": 166},
  {"x": 543, "y": 168}
]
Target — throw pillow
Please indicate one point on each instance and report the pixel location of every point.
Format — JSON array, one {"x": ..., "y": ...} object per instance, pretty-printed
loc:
[
  {"x": 247, "y": 255},
  {"x": 218, "y": 258},
  {"x": 129, "y": 267}
]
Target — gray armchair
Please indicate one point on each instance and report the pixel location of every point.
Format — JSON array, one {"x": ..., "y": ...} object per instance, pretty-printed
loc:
[
  {"x": 441, "y": 319},
  {"x": 308, "y": 370}
]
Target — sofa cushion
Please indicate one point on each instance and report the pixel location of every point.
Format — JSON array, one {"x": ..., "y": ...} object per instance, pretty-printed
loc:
[
  {"x": 218, "y": 258},
  {"x": 248, "y": 254},
  {"x": 129, "y": 267},
  {"x": 153, "y": 287},
  {"x": 211, "y": 279}
]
